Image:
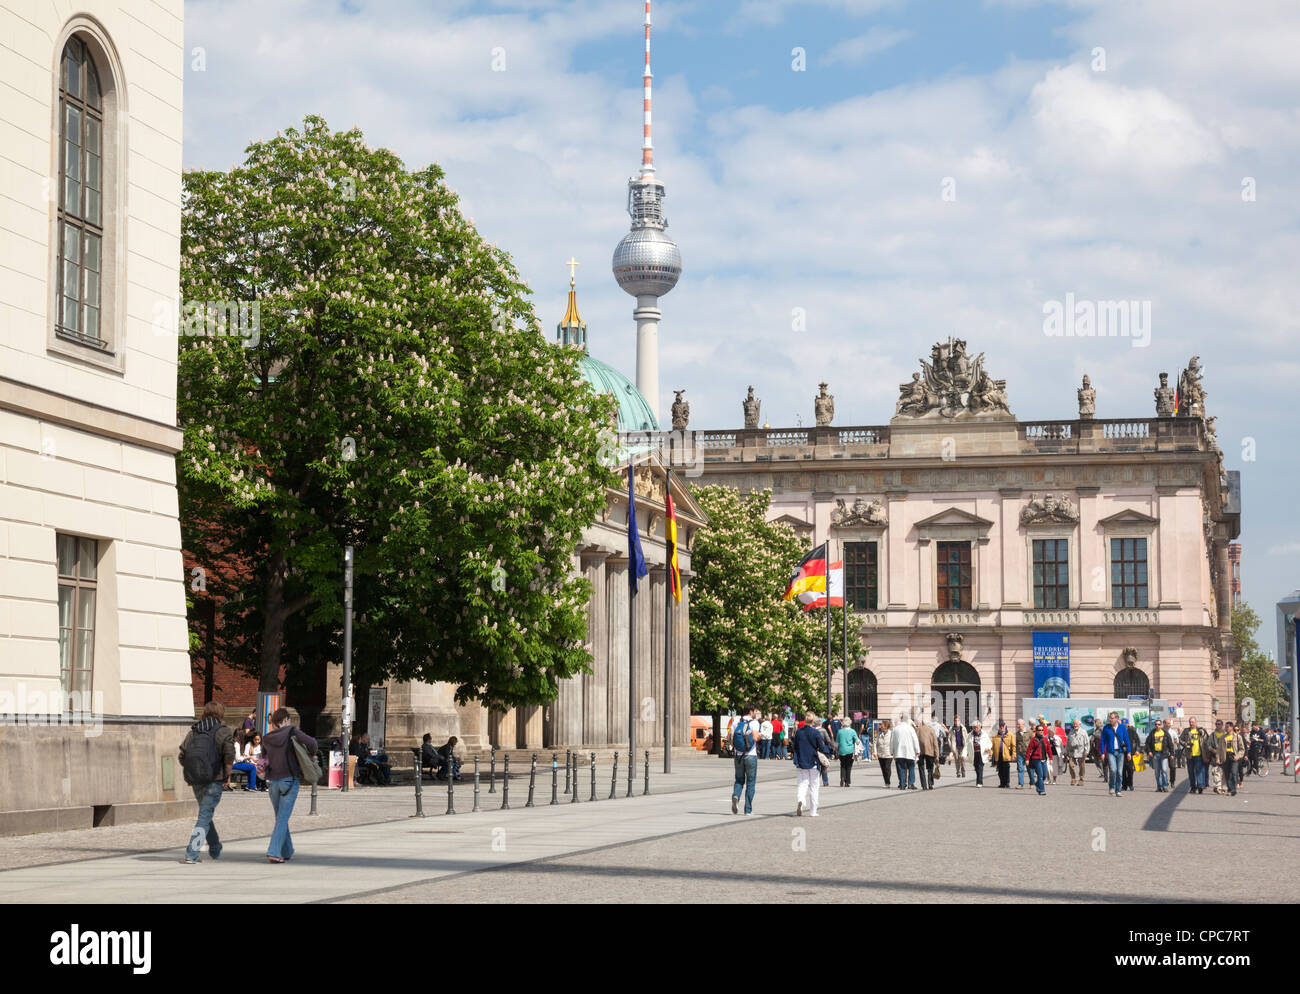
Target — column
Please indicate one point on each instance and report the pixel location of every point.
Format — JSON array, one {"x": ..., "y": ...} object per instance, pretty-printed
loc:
[
  {"x": 645, "y": 687},
  {"x": 658, "y": 590},
  {"x": 1169, "y": 594},
  {"x": 1012, "y": 552},
  {"x": 528, "y": 727},
  {"x": 595, "y": 685},
  {"x": 895, "y": 537},
  {"x": 616, "y": 652},
  {"x": 1092, "y": 551},
  {"x": 682, "y": 665}
]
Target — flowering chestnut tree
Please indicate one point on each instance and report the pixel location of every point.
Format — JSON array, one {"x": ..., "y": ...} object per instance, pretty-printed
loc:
[
  {"x": 747, "y": 644},
  {"x": 387, "y": 387}
]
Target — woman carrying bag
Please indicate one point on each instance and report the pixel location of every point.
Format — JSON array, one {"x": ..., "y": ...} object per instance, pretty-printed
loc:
[{"x": 288, "y": 751}]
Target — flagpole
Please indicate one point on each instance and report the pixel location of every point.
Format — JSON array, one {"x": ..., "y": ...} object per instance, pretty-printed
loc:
[
  {"x": 668, "y": 626},
  {"x": 844, "y": 599},
  {"x": 828, "y": 626}
]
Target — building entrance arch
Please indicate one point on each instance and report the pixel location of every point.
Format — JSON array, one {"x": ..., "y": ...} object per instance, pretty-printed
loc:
[{"x": 957, "y": 686}]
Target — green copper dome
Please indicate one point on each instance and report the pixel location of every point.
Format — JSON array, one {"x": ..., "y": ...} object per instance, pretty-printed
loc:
[{"x": 634, "y": 413}]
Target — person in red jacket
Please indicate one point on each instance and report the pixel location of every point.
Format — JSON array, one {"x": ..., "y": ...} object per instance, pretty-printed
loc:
[{"x": 1039, "y": 753}]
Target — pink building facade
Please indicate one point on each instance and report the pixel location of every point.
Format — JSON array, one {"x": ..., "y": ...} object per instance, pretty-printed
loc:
[{"x": 964, "y": 531}]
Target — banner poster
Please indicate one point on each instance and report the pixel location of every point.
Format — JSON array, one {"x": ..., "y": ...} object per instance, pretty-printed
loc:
[{"x": 1052, "y": 664}]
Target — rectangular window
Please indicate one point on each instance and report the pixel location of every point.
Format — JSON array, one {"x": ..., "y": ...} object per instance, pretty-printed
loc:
[
  {"x": 954, "y": 586},
  {"x": 1128, "y": 572},
  {"x": 78, "y": 575},
  {"x": 1051, "y": 573},
  {"x": 860, "y": 575}
]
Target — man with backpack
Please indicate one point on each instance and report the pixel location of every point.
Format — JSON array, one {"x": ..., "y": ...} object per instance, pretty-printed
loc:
[
  {"x": 744, "y": 745},
  {"x": 206, "y": 758}
]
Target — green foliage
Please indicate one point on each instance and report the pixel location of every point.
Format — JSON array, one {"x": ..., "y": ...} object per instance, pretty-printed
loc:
[
  {"x": 1255, "y": 678},
  {"x": 397, "y": 396},
  {"x": 747, "y": 644}
]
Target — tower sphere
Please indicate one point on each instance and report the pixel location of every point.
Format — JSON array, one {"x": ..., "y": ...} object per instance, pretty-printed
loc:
[{"x": 647, "y": 262}]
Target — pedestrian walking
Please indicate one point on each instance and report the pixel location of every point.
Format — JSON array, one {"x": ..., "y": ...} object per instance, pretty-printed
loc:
[
  {"x": 1059, "y": 735},
  {"x": 1194, "y": 748},
  {"x": 744, "y": 746},
  {"x": 1216, "y": 758},
  {"x": 1157, "y": 747},
  {"x": 976, "y": 745},
  {"x": 1232, "y": 749},
  {"x": 778, "y": 737},
  {"x": 1115, "y": 748},
  {"x": 846, "y": 744},
  {"x": 929, "y": 754},
  {"x": 765, "y": 739},
  {"x": 884, "y": 754},
  {"x": 283, "y": 775},
  {"x": 808, "y": 744},
  {"x": 206, "y": 758},
  {"x": 959, "y": 739},
  {"x": 1038, "y": 753},
  {"x": 1077, "y": 745},
  {"x": 904, "y": 745},
  {"x": 1023, "y": 735},
  {"x": 1004, "y": 754}
]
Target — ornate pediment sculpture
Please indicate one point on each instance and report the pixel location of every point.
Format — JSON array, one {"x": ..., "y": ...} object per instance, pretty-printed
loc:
[
  {"x": 751, "y": 405},
  {"x": 824, "y": 407},
  {"x": 649, "y": 485},
  {"x": 681, "y": 411},
  {"x": 1050, "y": 509},
  {"x": 953, "y": 384},
  {"x": 955, "y": 640},
  {"x": 1191, "y": 390},
  {"x": 861, "y": 513}
]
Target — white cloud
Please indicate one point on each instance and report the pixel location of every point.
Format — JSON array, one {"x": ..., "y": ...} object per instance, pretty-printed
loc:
[{"x": 860, "y": 48}]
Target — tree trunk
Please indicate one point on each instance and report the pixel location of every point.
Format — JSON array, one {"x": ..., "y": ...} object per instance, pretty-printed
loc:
[
  {"x": 717, "y": 733},
  {"x": 273, "y": 618}
]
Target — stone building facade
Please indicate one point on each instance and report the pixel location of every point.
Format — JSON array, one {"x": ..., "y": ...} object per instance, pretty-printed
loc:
[
  {"x": 92, "y": 598},
  {"x": 965, "y": 530}
]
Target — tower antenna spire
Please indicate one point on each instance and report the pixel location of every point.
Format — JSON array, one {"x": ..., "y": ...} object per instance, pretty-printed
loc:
[{"x": 647, "y": 146}]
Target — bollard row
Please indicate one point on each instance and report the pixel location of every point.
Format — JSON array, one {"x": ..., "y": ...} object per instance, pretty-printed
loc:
[{"x": 572, "y": 759}]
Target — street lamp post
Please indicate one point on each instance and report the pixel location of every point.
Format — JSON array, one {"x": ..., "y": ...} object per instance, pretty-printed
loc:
[{"x": 347, "y": 659}]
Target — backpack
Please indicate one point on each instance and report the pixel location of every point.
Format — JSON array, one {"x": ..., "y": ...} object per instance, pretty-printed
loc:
[
  {"x": 202, "y": 763},
  {"x": 742, "y": 740}
]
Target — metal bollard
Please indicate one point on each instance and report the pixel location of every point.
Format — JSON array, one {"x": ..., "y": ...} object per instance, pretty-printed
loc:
[
  {"x": 476, "y": 807},
  {"x": 451, "y": 782},
  {"x": 568, "y": 759},
  {"x": 492, "y": 773},
  {"x": 613, "y": 779},
  {"x": 532, "y": 781},
  {"x": 593, "y": 776},
  {"x": 505, "y": 785},
  {"x": 574, "y": 798},
  {"x": 555, "y": 778},
  {"x": 419, "y": 791},
  {"x": 313, "y": 800},
  {"x": 647, "y": 774},
  {"x": 631, "y": 772}
]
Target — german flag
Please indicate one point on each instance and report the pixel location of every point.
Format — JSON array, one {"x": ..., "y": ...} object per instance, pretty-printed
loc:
[
  {"x": 808, "y": 582},
  {"x": 670, "y": 533}
]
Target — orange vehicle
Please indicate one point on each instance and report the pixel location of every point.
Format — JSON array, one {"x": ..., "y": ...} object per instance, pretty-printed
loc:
[{"x": 702, "y": 731}]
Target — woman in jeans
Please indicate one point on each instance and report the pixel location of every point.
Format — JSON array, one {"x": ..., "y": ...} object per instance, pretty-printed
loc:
[
  {"x": 282, "y": 776},
  {"x": 883, "y": 752}
]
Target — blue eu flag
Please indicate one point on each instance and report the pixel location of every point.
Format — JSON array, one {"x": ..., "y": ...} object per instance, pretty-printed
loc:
[{"x": 635, "y": 558}]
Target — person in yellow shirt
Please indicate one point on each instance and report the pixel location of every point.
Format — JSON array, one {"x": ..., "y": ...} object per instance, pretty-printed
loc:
[
  {"x": 1004, "y": 753},
  {"x": 1158, "y": 749},
  {"x": 1231, "y": 749},
  {"x": 1193, "y": 742}
]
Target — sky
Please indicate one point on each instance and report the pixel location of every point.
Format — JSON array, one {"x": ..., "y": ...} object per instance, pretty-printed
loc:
[{"x": 851, "y": 181}]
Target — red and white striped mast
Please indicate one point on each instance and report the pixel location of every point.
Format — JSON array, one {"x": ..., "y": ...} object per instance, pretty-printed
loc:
[{"x": 647, "y": 146}]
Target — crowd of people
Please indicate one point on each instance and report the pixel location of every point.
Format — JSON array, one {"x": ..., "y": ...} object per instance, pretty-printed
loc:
[{"x": 915, "y": 752}]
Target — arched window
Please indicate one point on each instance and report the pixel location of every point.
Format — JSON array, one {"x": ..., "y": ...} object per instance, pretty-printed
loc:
[
  {"x": 81, "y": 205},
  {"x": 958, "y": 685},
  {"x": 861, "y": 696},
  {"x": 1131, "y": 681}
]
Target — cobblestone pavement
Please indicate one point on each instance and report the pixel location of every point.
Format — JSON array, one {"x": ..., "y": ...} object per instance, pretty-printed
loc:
[
  {"x": 956, "y": 843},
  {"x": 244, "y": 815}
]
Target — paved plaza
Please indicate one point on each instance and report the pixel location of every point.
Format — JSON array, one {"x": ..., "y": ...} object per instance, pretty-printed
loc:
[{"x": 682, "y": 843}]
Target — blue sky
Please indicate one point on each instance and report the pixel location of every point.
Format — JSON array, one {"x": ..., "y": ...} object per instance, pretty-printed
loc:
[{"x": 822, "y": 190}]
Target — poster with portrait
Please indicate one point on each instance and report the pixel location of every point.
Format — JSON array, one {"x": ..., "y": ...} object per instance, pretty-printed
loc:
[{"x": 1052, "y": 664}]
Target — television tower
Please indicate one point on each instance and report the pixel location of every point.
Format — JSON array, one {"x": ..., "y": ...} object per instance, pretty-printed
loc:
[{"x": 647, "y": 263}]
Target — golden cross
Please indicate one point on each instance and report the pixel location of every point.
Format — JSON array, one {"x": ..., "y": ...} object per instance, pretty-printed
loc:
[{"x": 571, "y": 264}]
